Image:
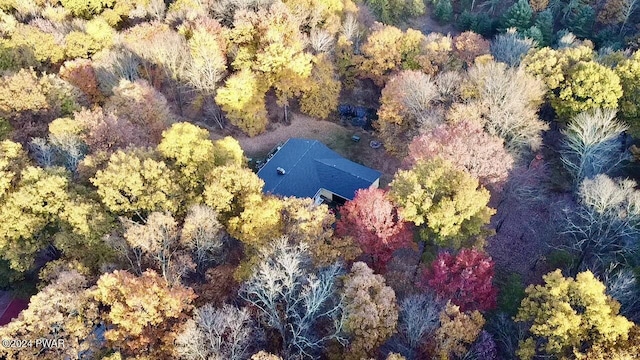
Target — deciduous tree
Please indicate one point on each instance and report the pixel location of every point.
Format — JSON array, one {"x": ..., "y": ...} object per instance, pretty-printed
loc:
[
  {"x": 97, "y": 35},
  {"x": 300, "y": 220},
  {"x": 88, "y": 8},
  {"x": 189, "y": 149},
  {"x": 42, "y": 209},
  {"x": 629, "y": 73},
  {"x": 588, "y": 85},
  {"x": 30, "y": 209},
  {"x": 159, "y": 238},
  {"x": 243, "y": 100},
  {"x": 106, "y": 133},
  {"x": 23, "y": 91},
  {"x": 592, "y": 144},
  {"x": 447, "y": 203},
  {"x": 320, "y": 98},
  {"x": 223, "y": 333},
  {"x": 387, "y": 50},
  {"x": 228, "y": 152},
  {"x": 143, "y": 313},
  {"x": 139, "y": 103},
  {"x": 371, "y": 310},
  {"x": 269, "y": 43},
  {"x": 510, "y": 48},
  {"x": 293, "y": 300},
  {"x": 232, "y": 189},
  {"x": 604, "y": 227},
  {"x": 506, "y": 102},
  {"x": 263, "y": 355},
  {"x": 620, "y": 351},
  {"x": 457, "y": 331},
  {"x": 469, "y": 45},
  {"x": 538, "y": 5},
  {"x": 80, "y": 73},
  {"x": 468, "y": 147},
  {"x": 419, "y": 317},
  {"x": 570, "y": 315},
  {"x": 612, "y": 12},
  {"x": 64, "y": 312},
  {"x": 551, "y": 65},
  {"x": 575, "y": 81},
  {"x": 406, "y": 104},
  {"x": 208, "y": 62},
  {"x": 203, "y": 235},
  {"x": 134, "y": 182},
  {"x": 31, "y": 47},
  {"x": 466, "y": 279},
  {"x": 372, "y": 219},
  {"x": 258, "y": 224}
]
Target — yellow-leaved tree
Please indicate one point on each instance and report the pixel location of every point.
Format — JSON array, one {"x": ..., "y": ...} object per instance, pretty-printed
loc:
[
  {"x": 270, "y": 217},
  {"x": 372, "y": 312},
  {"x": 320, "y": 98},
  {"x": 568, "y": 316},
  {"x": 65, "y": 305},
  {"x": 575, "y": 81},
  {"x": 228, "y": 152},
  {"x": 629, "y": 73},
  {"x": 269, "y": 53},
  {"x": 32, "y": 206},
  {"x": 448, "y": 204},
  {"x": 40, "y": 208},
  {"x": 191, "y": 152},
  {"x": 389, "y": 49},
  {"x": 243, "y": 100},
  {"x": 457, "y": 331},
  {"x": 143, "y": 313},
  {"x": 231, "y": 189},
  {"x": 134, "y": 182}
]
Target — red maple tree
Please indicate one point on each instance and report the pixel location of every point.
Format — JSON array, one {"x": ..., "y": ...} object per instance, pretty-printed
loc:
[
  {"x": 372, "y": 220},
  {"x": 466, "y": 279}
]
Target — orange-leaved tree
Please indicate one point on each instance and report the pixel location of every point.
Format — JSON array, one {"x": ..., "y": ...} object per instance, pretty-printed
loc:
[{"x": 143, "y": 313}]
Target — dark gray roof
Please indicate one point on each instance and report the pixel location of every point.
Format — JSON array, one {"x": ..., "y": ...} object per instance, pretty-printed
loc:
[{"x": 310, "y": 166}]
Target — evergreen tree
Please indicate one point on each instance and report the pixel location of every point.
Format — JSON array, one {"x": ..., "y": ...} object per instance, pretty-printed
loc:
[
  {"x": 518, "y": 16},
  {"x": 544, "y": 22},
  {"x": 443, "y": 11}
]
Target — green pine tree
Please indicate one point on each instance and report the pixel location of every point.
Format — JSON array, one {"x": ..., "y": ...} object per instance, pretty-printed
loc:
[
  {"x": 544, "y": 22},
  {"x": 443, "y": 11},
  {"x": 518, "y": 16}
]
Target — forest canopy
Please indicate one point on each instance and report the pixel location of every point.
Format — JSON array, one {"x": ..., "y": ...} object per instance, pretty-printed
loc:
[{"x": 505, "y": 224}]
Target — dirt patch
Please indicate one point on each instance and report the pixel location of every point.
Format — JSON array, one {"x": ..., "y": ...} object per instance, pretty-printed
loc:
[
  {"x": 427, "y": 25},
  {"x": 362, "y": 153},
  {"x": 301, "y": 127}
]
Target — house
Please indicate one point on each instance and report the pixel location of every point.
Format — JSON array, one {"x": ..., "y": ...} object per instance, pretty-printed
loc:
[{"x": 308, "y": 168}]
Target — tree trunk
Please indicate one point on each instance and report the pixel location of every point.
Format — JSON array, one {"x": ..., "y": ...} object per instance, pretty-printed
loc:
[{"x": 286, "y": 115}]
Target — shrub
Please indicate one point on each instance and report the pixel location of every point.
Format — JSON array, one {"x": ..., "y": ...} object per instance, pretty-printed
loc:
[{"x": 510, "y": 294}]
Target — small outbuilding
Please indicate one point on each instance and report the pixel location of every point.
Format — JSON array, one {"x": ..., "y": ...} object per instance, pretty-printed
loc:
[{"x": 308, "y": 168}]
